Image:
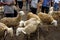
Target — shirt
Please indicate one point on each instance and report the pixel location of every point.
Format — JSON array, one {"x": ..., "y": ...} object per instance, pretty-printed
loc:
[
  {"x": 8, "y": 1},
  {"x": 8, "y": 9},
  {"x": 46, "y": 3},
  {"x": 56, "y": 1},
  {"x": 34, "y": 3}
]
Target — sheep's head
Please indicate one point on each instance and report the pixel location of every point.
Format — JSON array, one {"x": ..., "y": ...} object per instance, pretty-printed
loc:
[
  {"x": 21, "y": 13},
  {"x": 54, "y": 22},
  {"x": 19, "y": 30},
  {"x": 51, "y": 8},
  {"x": 21, "y": 23},
  {"x": 9, "y": 31},
  {"x": 51, "y": 11}
]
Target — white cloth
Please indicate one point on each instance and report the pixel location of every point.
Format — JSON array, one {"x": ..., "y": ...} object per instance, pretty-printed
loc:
[
  {"x": 56, "y": 1},
  {"x": 34, "y": 3}
]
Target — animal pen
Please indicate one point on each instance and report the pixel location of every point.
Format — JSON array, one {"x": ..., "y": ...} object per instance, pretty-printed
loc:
[{"x": 43, "y": 32}]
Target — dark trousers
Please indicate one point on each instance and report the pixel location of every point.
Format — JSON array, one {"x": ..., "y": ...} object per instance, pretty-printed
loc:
[
  {"x": 20, "y": 3},
  {"x": 33, "y": 10},
  {"x": 9, "y": 15},
  {"x": 45, "y": 9},
  {"x": 15, "y": 13}
]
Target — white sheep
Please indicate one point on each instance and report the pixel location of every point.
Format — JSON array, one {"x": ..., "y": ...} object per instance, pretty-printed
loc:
[
  {"x": 5, "y": 30},
  {"x": 29, "y": 28},
  {"x": 56, "y": 15},
  {"x": 14, "y": 21},
  {"x": 31, "y": 15},
  {"x": 21, "y": 23},
  {"x": 46, "y": 18},
  {"x": 51, "y": 11}
]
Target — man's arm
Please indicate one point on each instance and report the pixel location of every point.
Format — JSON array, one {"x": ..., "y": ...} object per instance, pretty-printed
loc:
[
  {"x": 40, "y": 2},
  {"x": 39, "y": 5}
]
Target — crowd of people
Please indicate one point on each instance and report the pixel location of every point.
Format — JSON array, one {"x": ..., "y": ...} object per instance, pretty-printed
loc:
[{"x": 33, "y": 5}]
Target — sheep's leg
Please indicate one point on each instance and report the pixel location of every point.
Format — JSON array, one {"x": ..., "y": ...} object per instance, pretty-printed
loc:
[
  {"x": 28, "y": 37},
  {"x": 38, "y": 34},
  {"x": 4, "y": 37}
]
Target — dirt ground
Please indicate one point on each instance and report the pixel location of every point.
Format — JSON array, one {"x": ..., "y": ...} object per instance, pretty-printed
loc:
[{"x": 44, "y": 32}]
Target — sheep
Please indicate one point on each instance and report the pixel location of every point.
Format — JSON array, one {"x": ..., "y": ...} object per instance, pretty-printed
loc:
[
  {"x": 14, "y": 21},
  {"x": 29, "y": 28},
  {"x": 46, "y": 18},
  {"x": 21, "y": 23},
  {"x": 4, "y": 30},
  {"x": 56, "y": 15},
  {"x": 31, "y": 15},
  {"x": 51, "y": 11},
  {"x": 24, "y": 23}
]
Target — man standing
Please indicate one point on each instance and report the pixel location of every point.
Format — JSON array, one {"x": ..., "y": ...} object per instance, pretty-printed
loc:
[
  {"x": 34, "y": 4},
  {"x": 20, "y": 3},
  {"x": 45, "y": 6},
  {"x": 56, "y": 5},
  {"x": 8, "y": 8}
]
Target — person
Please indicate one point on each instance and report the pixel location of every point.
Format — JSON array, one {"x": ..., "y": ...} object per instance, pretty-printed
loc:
[
  {"x": 33, "y": 7},
  {"x": 27, "y": 4},
  {"x": 59, "y": 5},
  {"x": 20, "y": 3},
  {"x": 45, "y": 6},
  {"x": 8, "y": 9},
  {"x": 56, "y": 5},
  {"x": 39, "y": 5},
  {"x": 52, "y": 2},
  {"x": 1, "y": 10},
  {"x": 15, "y": 8}
]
